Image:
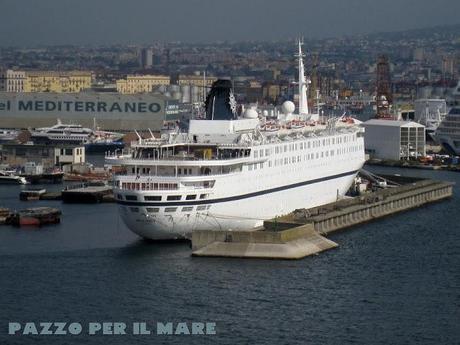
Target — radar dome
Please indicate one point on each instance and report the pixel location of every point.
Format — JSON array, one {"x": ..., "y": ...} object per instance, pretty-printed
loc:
[
  {"x": 288, "y": 107},
  {"x": 250, "y": 114}
]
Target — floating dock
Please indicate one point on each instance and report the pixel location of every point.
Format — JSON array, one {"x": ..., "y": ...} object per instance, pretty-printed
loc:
[
  {"x": 87, "y": 194},
  {"x": 301, "y": 233},
  {"x": 32, "y": 194},
  {"x": 37, "y": 216}
]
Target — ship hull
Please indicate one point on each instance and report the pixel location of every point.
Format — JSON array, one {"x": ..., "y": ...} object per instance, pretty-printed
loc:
[
  {"x": 449, "y": 144},
  {"x": 240, "y": 213}
]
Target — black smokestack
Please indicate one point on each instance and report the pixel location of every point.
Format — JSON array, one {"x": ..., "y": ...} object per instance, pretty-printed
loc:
[{"x": 220, "y": 103}]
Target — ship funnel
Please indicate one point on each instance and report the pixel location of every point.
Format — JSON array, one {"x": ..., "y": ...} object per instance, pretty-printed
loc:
[{"x": 220, "y": 102}]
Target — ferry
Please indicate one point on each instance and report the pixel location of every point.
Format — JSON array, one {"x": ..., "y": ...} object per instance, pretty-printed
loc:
[
  {"x": 232, "y": 172},
  {"x": 95, "y": 140},
  {"x": 62, "y": 133}
]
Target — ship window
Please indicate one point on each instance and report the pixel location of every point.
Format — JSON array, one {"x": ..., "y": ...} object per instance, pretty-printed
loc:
[
  {"x": 256, "y": 154},
  {"x": 187, "y": 209},
  {"x": 134, "y": 209},
  {"x": 131, "y": 197},
  {"x": 308, "y": 144},
  {"x": 203, "y": 196},
  {"x": 191, "y": 197},
  {"x": 152, "y": 198},
  {"x": 201, "y": 208},
  {"x": 179, "y": 171},
  {"x": 170, "y": 209},
  {"x": 153, "y": 209},
  {"x": 174, "y": 197}
]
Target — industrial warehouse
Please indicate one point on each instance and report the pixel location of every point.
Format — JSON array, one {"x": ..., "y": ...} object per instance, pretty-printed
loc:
[{"x": 111, "y": 111}]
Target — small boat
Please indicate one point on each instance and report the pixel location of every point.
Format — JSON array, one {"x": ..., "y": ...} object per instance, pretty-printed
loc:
[
  {"x": 8, "y": 134},
  {"x": 270, "y": 128},
  {"x": 10, "y": 178}
]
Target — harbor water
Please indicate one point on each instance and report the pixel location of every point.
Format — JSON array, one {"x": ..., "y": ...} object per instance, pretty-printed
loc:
[{"x": 392, "y": 281}]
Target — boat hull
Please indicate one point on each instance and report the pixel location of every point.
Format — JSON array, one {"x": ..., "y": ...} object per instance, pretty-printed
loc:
[{"x": 243, "y": 213}]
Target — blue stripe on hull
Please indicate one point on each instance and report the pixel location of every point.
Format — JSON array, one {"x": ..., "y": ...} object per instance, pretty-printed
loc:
[{"x": 236, "y": 197}]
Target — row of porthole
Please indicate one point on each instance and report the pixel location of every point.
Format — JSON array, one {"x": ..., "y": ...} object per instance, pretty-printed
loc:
[
  {"x": 171, "y": 209},
  {"x": 159, "y": 197}
]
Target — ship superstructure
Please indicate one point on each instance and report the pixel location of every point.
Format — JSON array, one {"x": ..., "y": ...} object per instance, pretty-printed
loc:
[
  {"x": 448, "y": 131},
  {"x": 233, "y": 172}
]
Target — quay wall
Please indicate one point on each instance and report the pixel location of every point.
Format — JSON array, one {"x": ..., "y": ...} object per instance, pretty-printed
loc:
[{"x": 351, "y": 212}]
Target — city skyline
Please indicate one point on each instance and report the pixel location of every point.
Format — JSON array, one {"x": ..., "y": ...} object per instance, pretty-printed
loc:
[{"x": 52, "y": 22}]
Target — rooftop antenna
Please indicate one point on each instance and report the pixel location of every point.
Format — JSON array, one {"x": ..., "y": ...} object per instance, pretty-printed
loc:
[
  {"x": 303, "y": 83},
  {"x": 204, "y": 86},
  {"x": 317, "y": 100}
]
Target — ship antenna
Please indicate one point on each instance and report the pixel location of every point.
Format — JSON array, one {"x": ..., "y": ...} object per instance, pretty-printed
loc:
[
  {"x": 303, "y": 83},
  {"x": 140, "y": 138}
]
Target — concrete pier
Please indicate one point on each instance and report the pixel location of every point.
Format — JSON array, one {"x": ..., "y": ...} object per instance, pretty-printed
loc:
[
  {"x": 292, "y": 243},
  {"x": 353, "y": 211},
  {"x": 299, "y": 234}
]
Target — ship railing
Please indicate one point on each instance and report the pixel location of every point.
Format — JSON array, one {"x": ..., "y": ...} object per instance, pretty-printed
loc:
[
  {"x": 153, "y": 174},
  {"x": 176, "y": 158}
]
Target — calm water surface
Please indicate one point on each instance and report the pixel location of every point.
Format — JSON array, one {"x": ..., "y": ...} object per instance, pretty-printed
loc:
[{"x": 393, "y": 281}]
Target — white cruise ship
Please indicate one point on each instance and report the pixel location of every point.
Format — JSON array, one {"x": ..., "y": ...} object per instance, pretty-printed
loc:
[
  {"x": 230, "y": 172},
  {"x": 430, "y": 113},
  {"x": 448, "y": 132}
]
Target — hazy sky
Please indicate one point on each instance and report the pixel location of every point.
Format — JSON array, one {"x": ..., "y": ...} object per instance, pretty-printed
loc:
[{"x": 34, "y": 22}]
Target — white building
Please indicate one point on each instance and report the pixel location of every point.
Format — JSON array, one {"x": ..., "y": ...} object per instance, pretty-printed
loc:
[
  {"x": 69, "y": 155},
  {"x": 395, "y": 140},
  {"x": 12, "y": 81}
]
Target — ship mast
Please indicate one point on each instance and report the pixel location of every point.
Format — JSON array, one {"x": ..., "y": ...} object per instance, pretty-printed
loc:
[{"x": 303, "y": 84}]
